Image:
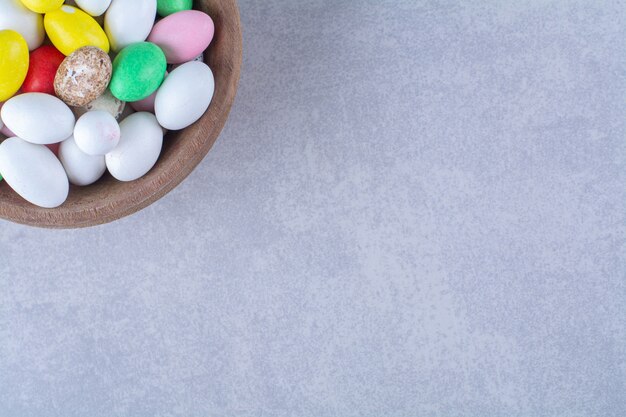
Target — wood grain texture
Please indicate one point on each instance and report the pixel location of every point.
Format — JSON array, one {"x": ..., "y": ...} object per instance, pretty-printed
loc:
[{"x": 109, "y": 199}]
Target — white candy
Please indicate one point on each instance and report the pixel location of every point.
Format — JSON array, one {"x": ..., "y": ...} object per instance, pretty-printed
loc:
[
  {"x": 184, "y": 96},
  {"x": 81, "y": 169},
  {"x": 106, "y": 102},
  {"x": 129, "y": 21},
  {"x": 33, "y": 172},
  {"x": 14, "y": 15},
  {"x": 139, "y": 147},
  {"x": 94, "y": 7},
  {"x": 38, "y": 118},
  {"x": 97, "y": 132}
]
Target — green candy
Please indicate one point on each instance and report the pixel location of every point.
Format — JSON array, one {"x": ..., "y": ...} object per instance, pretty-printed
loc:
[
  {"x": 168, "y": 7},
  {"x": 138, "y": 71}
]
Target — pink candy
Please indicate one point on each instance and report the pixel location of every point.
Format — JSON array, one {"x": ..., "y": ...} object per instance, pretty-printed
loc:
[
  {"x": 147, "y": 104},
  {"x": 183, "y": 35}
]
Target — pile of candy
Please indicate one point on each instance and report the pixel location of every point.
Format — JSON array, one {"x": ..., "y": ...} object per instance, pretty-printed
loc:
[{"x": 85, "y": 88}]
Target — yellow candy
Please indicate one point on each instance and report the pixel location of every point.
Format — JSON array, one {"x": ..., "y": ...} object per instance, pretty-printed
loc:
[
  {"x": 70, "y": 29},
  {"x": 13, "y": 63},
  {"x": 42, "y": 6}
]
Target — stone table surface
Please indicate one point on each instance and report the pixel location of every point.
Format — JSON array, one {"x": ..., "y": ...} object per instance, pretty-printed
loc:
[{"x": 417, "y": 208}]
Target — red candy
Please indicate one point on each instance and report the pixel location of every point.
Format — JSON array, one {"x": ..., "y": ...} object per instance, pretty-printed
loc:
[{"x": 44, "y": 62}]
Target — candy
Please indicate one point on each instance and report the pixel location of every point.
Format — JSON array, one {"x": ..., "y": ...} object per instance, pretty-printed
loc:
[
  {"x": 7, "y": 132},
  {"x": 127, "y": 22},
  {"x": 38, "y": 118},
  {"x": 172, "y": 67},
  {"x": 42, "y": 6},
  {"x": 94, "y": 7},
  {"x": 138, "y": 70},
  {"x": 147, "y": 104},
  {"x": 83, "y": 76},
  {"x": 70, "y": 28},
  {"x": 106, "y": 102},
  {"x": 44, "y": 63},
  {"x": 99, "y": 19},
  {"x": 168, "y": 7},
  {"x": 81, "y": 169},
  {"x": 33, "y": 172},
  {"x": 184, "y": 96},
  {"x": 183, "y": 35},
  {"x": 95, "y": 71},
  {"x": 97, "y": 133},
  {"x": 3, "y": 129},
  {"x": 13, "y": 63},
  {"x": 14, "y": 15},
  {"x": 139, "y": 147}
]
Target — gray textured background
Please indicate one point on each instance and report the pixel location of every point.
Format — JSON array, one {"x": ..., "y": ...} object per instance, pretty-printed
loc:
[{"x": 416, "y": 209}]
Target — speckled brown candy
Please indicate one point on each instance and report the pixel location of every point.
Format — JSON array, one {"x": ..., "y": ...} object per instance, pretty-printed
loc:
[{"x": 83, "y": 76}]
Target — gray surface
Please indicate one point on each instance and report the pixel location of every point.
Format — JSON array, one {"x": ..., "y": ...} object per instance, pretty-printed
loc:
[{"x": 416, "y": 209}]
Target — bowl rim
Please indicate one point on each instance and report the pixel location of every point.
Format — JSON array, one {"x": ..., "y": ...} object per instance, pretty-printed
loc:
[{"x": 166, "y": 175}]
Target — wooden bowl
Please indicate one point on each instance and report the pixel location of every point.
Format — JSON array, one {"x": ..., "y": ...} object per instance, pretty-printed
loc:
[{"x": 109, "y": 199}]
